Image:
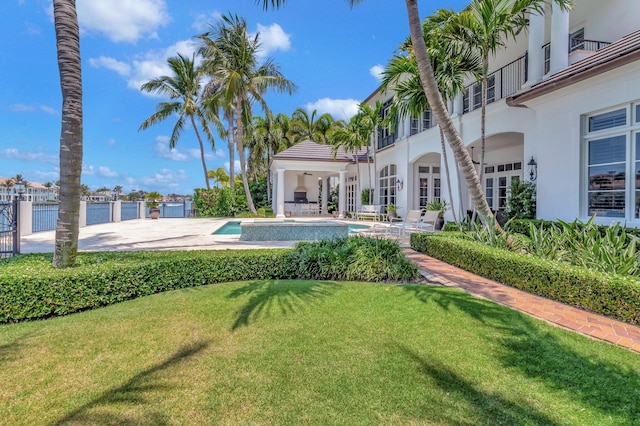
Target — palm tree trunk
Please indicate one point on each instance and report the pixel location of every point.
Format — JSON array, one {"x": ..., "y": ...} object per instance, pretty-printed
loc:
[
  {"x": 268, "y": 175},
  {"x": 483, "y": 113},
  {"x": 446, "y": 171},
  {"x": 437, "y": 104},
  {"x": 243, "y": 167},
  {"x": 204, "y": 164},
  {"x": 69, "y": 64},
  {"x": 232, "y": 150},
  {"x": 370, "y": 175}
]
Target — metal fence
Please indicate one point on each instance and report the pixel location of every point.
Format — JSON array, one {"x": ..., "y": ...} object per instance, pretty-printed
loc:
[
  {"x": 173, "y": 210},
  {"x": 45, "y": 217},
  {"x": 8, "y": 230},
  {"x": 98, "y": 213},
  {"x": 128, "y": 210}
]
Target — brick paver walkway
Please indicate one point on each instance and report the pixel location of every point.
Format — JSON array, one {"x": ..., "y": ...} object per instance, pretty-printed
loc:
[{"x": 587, "y": 323}]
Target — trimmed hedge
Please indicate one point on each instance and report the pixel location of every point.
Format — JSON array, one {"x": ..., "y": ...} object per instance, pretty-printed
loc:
[
  {"x": 607, "y": 294},
  {"x": 31, "y": 289}
]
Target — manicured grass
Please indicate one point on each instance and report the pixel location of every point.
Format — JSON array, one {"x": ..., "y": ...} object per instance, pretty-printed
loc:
[{"x": 309, "y": 352}]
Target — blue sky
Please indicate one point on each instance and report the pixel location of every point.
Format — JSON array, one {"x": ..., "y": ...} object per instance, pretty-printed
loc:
[{"x": 331, "y": 52}]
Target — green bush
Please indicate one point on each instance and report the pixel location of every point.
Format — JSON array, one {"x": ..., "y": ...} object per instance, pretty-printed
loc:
[
  {"x": 521, "y": 202},
  {"x": 31, "y": 289},
  {"x": 521, "y": 226},
  {"x": 354, "y": 259},
  {"x": 608, "y": 294}
]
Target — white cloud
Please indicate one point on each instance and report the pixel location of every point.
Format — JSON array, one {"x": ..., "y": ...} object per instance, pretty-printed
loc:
[
  {"x": 33, "y": 108},
  {"x": 272, "y": 38},
  {"x": 163, "y": 150},
  {"x": 110, "y": 63},
  {"x": 204, "y": 21},
  {"x": 220, "y": 153},
  {"x": 122, "y": 20},
  {"x": 164, "y": 179},
  {"x": 153, "y": 64},
  {"x": 237, "y": 166},
  {"x": 340, "y": 109},
  {"x": 88, "y": 170},
  {"x": 16, "y": 154},
  {"x": 111, "y": 141},
  {"x": 104, "y": 171},
  {"x": 195, "y": 153},
  {"x": 376, "y": 71},
  {"x": 33, "y": 29}
]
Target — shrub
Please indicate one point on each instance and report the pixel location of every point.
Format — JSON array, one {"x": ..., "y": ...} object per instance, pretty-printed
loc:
[
  {"x": 521, "y": 202},
  {"x": 31, "y": 289},
  {"x": 612, "y": 295}
]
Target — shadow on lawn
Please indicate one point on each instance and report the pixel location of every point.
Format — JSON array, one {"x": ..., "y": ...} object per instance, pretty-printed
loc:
[
  {"x": 130, "y": 394},
  {"x": 613, "y": 389},
  {"x": 286, "y": 296}
]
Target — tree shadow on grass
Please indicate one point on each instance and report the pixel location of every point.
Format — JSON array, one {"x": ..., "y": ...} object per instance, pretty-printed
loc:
[
  {"x": 611, "y": 388},
  {"x": 285, "y": 296},
  {"x": 486, "y": 408},
  {"x": 11, "y": 351},
  {"x": 130, "y": 393}
]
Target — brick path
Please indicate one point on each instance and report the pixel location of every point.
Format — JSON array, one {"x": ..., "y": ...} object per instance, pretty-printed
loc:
[{"x": 587, "y": 323}]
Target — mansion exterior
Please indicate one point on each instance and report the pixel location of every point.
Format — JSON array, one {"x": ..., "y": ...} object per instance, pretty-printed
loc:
[{"x": 563, "y": 111}]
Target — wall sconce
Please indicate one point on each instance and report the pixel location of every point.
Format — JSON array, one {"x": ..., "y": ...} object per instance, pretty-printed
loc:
[
  {"x": 533, "y": 169},
  {"x": 399, "y": 184}
]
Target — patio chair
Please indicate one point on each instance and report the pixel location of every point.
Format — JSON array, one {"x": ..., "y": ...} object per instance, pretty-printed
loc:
[
  {"x": 429, "y": 220},
  {"x": 411, "y": 222}
]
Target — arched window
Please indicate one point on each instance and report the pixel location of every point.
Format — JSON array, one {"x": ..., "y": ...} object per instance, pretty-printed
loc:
[{"x": 387, "y": 185}]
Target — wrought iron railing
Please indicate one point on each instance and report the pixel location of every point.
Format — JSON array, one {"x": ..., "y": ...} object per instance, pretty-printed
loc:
[
  {"x": 175, "y": 210},
  {"x": 9, "y": 239},
  {"x": 501, "y": 83},
  {"x": 45, "y": 217},
  {"x": 590, "y": 45}
]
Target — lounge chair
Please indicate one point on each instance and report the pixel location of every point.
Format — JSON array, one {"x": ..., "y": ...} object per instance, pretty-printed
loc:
[{"x": 410, "y": 223}]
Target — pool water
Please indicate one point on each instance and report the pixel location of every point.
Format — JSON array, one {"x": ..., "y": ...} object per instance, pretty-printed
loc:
[{"x": 233, "y": 228}]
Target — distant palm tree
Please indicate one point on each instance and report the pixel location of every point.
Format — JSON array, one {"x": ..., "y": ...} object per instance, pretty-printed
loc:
[
  {"x": 231, "y": 60},
  {"x": 305, "y": 126},
  {"x": 351, "y": 138},
  {"x": 183, "y": 88},
  {"x": 369, "y": 123},
  {"x": 117, "y": 190},
  {"x": 219, "y": 176}
]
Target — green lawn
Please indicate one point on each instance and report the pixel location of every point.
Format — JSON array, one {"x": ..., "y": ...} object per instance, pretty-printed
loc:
[{"x": 304, "y": 352}]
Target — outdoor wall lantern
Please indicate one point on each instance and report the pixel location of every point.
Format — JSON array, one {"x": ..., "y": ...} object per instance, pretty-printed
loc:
[
  {"x": 533, "y": 169},
  {"x": 20, "y": 187},
  {"x": 399, "y": 184}
]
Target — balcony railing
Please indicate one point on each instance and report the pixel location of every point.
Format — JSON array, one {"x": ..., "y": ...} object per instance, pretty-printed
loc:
[
  {"x": 590, "y": 45},
  {"x": 500, "y": 84}
]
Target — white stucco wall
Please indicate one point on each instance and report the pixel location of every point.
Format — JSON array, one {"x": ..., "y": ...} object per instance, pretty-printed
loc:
[{"x": 556, "y": 138}]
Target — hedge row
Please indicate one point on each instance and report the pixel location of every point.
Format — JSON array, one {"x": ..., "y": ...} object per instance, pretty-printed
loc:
[
  {"x": 30, "y": 288},
  {"x": 611, "y": 295},
  {"x": 521, "y": 226}
]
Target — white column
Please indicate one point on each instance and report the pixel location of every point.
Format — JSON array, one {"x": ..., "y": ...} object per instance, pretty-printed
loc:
[
  {"x": 280, "y": 194},
  {"x": 457, "y": 106},
  {"x": 25, "y": 218},
  {"x": 326, "y": 192},
  {"x": 342, "y": 199},
  {"x": 117, "y": 211},
  {"x": 559, "y": 39},
  {"x": 535, "y": 68},
  {"x": 82, "y": 219}
]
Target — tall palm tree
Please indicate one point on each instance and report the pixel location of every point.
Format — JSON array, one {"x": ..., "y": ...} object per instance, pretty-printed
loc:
[
  {"x": 68, "y": 47},
  {"x": 183, "y": 88},
  {"x": 371, "y": 119},
  {"x": 351, "y": 138},
  {"x": 231, "y": 59},
  {"x": 486, "y": 25},
  {"x": 450, "y": 62},
  {"x": 436, "y": 102}
]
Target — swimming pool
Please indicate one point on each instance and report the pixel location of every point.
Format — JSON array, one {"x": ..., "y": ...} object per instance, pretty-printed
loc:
[{"x": 234, "y": 227}]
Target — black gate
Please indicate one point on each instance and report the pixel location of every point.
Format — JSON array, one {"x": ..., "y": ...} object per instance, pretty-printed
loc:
[{"x": 9, "y": 239}]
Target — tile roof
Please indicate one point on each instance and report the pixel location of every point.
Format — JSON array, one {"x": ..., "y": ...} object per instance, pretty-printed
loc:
[
  {"x": 310, "y": 151},
  {"x": 622, "y": 52}
]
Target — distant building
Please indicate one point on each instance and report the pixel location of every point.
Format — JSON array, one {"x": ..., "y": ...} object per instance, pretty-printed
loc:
[{"x": 34, "y": 191}]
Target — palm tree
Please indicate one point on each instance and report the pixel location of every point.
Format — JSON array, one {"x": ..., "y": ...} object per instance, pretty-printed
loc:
[
  {"x": 430, "y": 87},
  {"x": 231, "y": 59},
  {"x": 117, "y": 190},
  {"x": 486, "y": 25},
  {"x": 351, "y": 138},
  {"x": 305, "y": 126},
  {"x": 68, "y": 47},
  {"x": 371, "y": 118},
  {"x": 219, "y": 176},
  {"x": 183, "y": 88},
  {"x": 450, "y": 62}
]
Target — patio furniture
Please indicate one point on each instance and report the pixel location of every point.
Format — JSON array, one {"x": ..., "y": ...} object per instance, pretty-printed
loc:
[
  {"x": 369, "y": 211},
  {"x": 429, "y": 220},
  {"x": 410, "y": 223}
]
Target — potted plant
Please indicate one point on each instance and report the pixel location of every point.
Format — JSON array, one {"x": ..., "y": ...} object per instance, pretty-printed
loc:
[
  {"x": 392, "y": 211},
  {"x": 440, "y": 206},
  {"x": 152, "y": 203}
]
